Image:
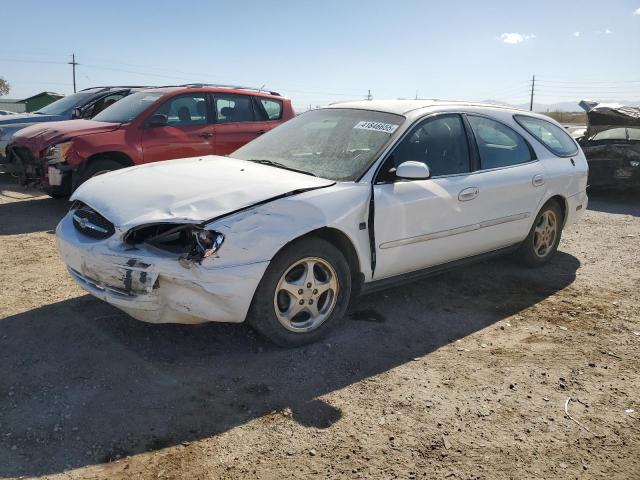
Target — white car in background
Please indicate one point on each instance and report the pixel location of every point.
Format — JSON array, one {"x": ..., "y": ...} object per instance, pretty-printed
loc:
[{"x": 338, "y": 201}]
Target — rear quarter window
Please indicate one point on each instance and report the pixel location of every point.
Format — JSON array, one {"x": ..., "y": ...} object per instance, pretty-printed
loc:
[
  {"x": 551, "y": 136},
  {"x": 272, "y": 107}
]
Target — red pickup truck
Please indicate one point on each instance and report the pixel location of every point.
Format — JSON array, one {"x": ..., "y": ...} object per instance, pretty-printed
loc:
[{"x": 147, "y": 126}]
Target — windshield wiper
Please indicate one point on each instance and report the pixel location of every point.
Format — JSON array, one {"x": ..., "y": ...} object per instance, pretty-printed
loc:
[{"x": 280, "y": 165}]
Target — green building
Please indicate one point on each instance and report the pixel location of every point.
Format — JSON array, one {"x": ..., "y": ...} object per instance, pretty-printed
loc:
[
  {"x": 30, "y": 104},
  {"x": 42, "y": 99}
]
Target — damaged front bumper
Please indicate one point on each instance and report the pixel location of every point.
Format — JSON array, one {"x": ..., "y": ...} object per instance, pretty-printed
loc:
[
  {"x": 152, "y": 285},
  {"x": 38, "y": 171}
]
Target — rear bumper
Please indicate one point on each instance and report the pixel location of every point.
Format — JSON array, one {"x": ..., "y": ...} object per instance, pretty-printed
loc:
[
  {"x": 576, "y": 206},
  {"x": 155, "y": 288},
  {"x": 614, "y": 173}
]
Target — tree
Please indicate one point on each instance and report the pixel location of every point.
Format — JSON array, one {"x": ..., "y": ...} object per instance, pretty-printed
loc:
[{"x": 4, "y": 87}]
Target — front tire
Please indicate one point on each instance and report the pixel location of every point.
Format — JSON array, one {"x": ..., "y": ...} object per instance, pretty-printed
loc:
[
  {"x": 98, "y": 167},
  {"x": 303, "y": 294},
  {"x": 60, "y": 191},
  {"x": 542, "y": 242}
]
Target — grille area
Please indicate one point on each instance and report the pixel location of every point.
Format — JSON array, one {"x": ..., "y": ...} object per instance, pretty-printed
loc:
[{"x": 91, "y": 223}]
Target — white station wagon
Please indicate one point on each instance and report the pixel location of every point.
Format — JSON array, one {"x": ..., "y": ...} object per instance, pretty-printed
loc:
[{"x": 338, "y": 201}]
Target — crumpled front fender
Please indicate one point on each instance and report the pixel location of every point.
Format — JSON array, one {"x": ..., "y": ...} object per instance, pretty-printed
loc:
[{"x": 257, "y": 234}]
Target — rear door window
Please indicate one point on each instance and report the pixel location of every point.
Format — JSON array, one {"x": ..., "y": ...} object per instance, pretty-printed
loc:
[
  {"x": 498, "y": 145},
  {"x": 555, "y": 138},
  {"x": 233, "y": 108}
]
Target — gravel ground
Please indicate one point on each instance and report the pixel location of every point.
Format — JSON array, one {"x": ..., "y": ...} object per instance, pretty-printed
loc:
[{"x": 461, "y": 376}]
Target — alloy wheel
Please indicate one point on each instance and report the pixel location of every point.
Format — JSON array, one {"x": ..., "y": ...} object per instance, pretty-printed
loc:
[
  {"x": 306, "y": 294},
  {"x": 545, "y": 233}
]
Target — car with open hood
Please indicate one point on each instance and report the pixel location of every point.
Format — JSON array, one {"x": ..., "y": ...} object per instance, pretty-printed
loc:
[
  {"x": 611, "y": 143},
  {"x": 84, "y": 104},
  {"x": 150, "y": 125},
  {"x": 341, "y": 200}
]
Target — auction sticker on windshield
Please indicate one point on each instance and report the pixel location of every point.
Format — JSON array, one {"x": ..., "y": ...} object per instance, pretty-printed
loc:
[{"x": 376, "y": 126}]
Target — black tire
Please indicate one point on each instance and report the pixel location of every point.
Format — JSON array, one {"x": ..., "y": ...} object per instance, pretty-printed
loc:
[
  {"x": 528, "y": 252},
  {"x": 262, "y": 313},
  {"x": 60, "y": 191},
  {"x": 57, "y": 192},
  {"x": 98, "y": 167}
]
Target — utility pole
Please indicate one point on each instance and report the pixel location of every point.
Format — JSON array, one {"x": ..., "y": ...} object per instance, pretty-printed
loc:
[
  {"x": 369, "y": 96},
  {"x": 533, "y": 86},
  {"x": 73, "y": 63}
]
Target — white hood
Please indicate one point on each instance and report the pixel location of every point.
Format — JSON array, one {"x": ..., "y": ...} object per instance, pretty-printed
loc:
[{"x": 189, "y": 189}]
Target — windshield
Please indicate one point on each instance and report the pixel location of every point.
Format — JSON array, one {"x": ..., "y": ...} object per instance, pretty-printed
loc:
[
  {"x": 125, "y": 110},
  {"x": 65, "y": 104},
  {"x": 332, "y": 143}
]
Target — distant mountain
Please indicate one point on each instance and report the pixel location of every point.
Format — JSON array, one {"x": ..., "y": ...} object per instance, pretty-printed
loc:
[{"x": 562, "y": 106}]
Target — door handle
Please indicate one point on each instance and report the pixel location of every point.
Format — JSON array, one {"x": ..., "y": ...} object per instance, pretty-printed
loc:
[
  {"x": 205, "y": 135},
  {"x": 468, "y": 194},
  {"x": 538, "y": 180}
]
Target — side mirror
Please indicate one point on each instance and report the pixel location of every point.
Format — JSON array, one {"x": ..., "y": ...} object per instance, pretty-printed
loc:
[
  {"x": 158, "y": 120},
  {"x": 76, "y": 113},
  {"x": 413, "y": 171}
]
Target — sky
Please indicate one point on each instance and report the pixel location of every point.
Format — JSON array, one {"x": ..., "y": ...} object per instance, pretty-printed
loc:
[{"x": 327, "y": 51}]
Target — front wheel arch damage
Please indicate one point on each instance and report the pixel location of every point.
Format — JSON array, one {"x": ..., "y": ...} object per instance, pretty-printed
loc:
[{"x": 343, "y": 243}]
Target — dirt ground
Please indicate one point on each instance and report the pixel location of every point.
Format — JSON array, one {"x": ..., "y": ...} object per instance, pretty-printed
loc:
[{"x": 461, "y": 376}]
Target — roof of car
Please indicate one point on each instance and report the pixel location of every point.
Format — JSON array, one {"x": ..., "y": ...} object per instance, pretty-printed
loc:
[
  {"x": 215, "y": 88},
  {"x": 402, "y": 107}
]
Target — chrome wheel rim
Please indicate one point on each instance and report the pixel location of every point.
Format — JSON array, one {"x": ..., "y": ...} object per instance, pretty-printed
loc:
[
  {"x": 306, "y": 294},
  {"x": 544, "y": 234}
]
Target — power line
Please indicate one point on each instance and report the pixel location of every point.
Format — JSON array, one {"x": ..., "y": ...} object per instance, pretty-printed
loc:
[
  {"x": 31, "y": 61},
  {"x": 590, "y": 88},
  {"x": 590, "y": 82},
  {"x": 551, "y": 95},
  {"x": 192, "y": 78}
]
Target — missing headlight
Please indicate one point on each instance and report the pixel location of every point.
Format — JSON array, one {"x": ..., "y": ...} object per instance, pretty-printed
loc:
[
  {"x": 206, "y": 243},
  {"x": 192, "y": 242}
]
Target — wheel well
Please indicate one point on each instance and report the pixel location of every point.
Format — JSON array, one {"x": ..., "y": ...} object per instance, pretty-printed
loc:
[
  {"x": 119, "y": 157},
  {"x": 562, "y": 203},
  {"x": 338, "y": 239}
]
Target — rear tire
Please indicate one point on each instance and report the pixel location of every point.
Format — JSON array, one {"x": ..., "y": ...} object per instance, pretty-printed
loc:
[
  {"x": 303, "y": 294},
  {"x": 542, "y": 242}
]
